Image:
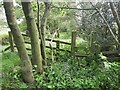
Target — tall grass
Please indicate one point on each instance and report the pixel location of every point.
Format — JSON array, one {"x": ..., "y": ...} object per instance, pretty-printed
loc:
[{"x": 11, "y": 71}]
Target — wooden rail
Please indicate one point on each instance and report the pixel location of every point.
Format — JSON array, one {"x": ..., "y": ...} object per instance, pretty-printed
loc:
[
  {"x": 57, "y": 47},
  {"x": 48, "y": 39},
  {"x": 27, "y": 42},
  {"x": 25, "y": 35},
  {"x": 58, "y": 42},
  {"x": 63, "y": 42},
  {"x": 81, "y": 55},
  {"x": 110, "y": 52}
]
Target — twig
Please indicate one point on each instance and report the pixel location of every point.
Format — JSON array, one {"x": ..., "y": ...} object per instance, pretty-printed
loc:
[
  {"x": 73, "y": 8},
  {"x": 51, "y": 46},
  {"x": 109, "y": 28}
]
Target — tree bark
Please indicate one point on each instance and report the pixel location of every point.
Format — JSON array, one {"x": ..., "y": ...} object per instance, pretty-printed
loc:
[
  {"x": 19, "y": 41},
  {"x": 119, "y": 20},
  {"x": 43, "y": 28},
  {"x": 35, "y": 42}
]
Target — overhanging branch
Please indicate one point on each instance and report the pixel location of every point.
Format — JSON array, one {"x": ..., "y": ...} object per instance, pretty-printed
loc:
[
  {"x": 73, "y": 8},
  {"x": 109, "y": 28}
]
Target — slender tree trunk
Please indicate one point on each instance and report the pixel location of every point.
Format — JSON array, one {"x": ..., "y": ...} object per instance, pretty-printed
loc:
[
  {"x": 40, "y": 35},
  {"x": 35, "y": 42},
  {"x": 119, "y": 20},
  {"x": 43, "y": 28},
  {"x": 109, "y": 28},
  {"x": 19, "y": 41}
]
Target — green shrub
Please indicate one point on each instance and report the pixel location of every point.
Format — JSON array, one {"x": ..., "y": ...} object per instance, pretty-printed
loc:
[
  {"x": 65, "y": 74},
  {"x": 4, "y": 39},
  {"x": 11, "y": 74},
  {"x": 71, "y": 74}
]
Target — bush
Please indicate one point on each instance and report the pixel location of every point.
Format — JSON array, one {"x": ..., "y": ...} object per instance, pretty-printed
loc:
[
  {"x": 11, "y": 74},
  {"x": 68, "y": 73},
  {"x": 4, "y": 39},
  {"x": 71, "y": 74}
]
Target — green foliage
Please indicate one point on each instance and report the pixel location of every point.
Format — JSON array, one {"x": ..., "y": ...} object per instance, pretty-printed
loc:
[
  {"x": 77, "y": 75},
  {"x": 23, "y": 25},
  {"x": 82, "y": 46},
  {"x": 4, "y": 39},
  {"x": 65, "y": 35},
  {"x": 61, "y": 19},
  {"x": 11, "y": 71},
  {"x": 68, "y": 73}
]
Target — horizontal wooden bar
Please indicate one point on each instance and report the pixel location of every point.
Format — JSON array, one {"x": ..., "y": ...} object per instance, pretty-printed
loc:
[
  {"x": 110, "y": 52},
  {"x": 73, "y": 8},
  {"x": 58, "y": 41},
  {"x": 114, "y": 59},
  {"x": 27, "y": 42},
  {"x": 25, "y": 35},
  {"x": 29, "y": 49},
  {"x": 47, "y": 39},
  {"x": 80, "y": 55},
  {"x": 7, "y": 48},
  {"x": 59, "y": 49},
  {"x": 29, "y": 54}
]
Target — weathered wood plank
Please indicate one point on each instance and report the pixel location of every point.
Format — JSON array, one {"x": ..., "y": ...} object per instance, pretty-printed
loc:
[
  {"x": 81, "y": 55},
  {"x": 73, "y": 42},
  {"x": 48, "y": 39},
  {"x": 27, "y": 42},
  {"x": 29, "y": 49},
  {"x": 59, "y": 49},
  {"x": 110, "y": 52},
  {"x": 25, "y": 35},
  {"x": 114, "y": 58},
  {"x": 59, "y": 41}
]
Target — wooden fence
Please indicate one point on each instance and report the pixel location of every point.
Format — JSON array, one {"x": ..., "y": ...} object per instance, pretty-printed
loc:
[{"x": 72, "y": 44}]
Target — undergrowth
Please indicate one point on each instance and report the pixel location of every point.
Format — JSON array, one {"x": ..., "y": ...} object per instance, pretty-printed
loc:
[
  {"x": 11, "y": 75},
  {"x": 66, "y": 73}
]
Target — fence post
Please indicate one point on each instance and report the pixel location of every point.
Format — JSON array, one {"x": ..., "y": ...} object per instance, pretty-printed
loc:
[
  {"x": 73, "y": 43},
  {"x": 11, "y": 41},
  {"x": 57, "y": 45},
  {"x": 58, "y": 48}
]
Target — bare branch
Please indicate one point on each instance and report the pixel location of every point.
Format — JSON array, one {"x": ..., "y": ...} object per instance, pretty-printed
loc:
[
  {"x": 116, "y": 17},
  {"x": 109, "y": 28},
  {"x": 73, "y": 8}
]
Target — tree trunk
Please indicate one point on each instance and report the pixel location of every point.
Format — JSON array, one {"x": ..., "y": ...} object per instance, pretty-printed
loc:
[
  {"x": 115, "y": 14},
  {"x": 35, "y": 42},
  {"x": 119, "y": 21},
  {"x": 109, "y": 28},
  {"x": 19, "y": 41},
  {"x": 43, "y": 28}
]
